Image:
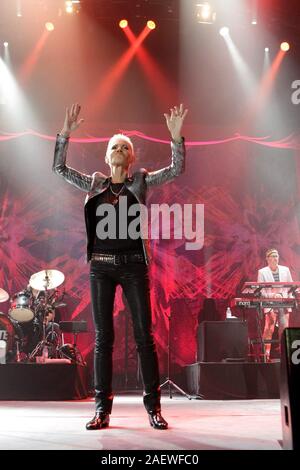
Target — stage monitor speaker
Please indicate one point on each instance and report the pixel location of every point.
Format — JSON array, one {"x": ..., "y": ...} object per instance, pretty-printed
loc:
[
  {"x": 290, "y": 388},
  {"x": 221, "y": 340}
]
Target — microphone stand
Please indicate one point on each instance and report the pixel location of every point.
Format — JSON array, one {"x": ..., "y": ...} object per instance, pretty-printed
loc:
[{"x": 168, "y": 381}]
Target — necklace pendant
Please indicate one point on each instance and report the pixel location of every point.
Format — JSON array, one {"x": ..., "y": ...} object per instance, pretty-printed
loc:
[{"x": 115, "y": 201}]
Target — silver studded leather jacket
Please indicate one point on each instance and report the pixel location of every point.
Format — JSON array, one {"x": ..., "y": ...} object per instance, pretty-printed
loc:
[{"x": 137, "y": 183}]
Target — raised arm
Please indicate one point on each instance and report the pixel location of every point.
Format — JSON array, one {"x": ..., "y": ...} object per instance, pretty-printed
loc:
[
  {"x": 174, "y": 123},
  {"x": 74, "y": 177}
]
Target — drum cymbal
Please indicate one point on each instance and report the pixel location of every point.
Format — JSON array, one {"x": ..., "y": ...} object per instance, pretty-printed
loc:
[
  {"x": 3, "y": 295},
  {"x": 47, "y": 279}
]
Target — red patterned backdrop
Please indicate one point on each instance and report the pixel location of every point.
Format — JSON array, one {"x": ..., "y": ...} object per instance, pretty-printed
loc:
[{"x": 250, "y": 193}]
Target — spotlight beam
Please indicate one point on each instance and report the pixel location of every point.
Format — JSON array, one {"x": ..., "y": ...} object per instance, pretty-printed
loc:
[
  {"x": 7, "y": 54},
  {"x": 248, "y": 81},
  {"x": 28, "y": 66},
  {"x": 14, "y": 99},
  {"x": 261, "y": 95},
  {"x": 266, "y": 60},
  {"x": 165, "y": 91},
  {"x": 107, "y": 86}
]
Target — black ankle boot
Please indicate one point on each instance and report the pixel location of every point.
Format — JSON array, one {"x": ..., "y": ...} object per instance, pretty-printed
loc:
[
  {"x": 157, "y": 421},
  {"x": 99, "y": 421}
]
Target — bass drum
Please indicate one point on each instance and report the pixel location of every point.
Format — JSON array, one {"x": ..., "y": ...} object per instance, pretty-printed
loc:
[{"x": 9, "y": 332}]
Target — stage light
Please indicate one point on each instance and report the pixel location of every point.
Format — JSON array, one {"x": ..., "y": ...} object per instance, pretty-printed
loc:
[
  {"x": 224, "y": 31},
  {"x": 49, "y": 26},
  {"x": 267, "y": 49},
  {"x": 284, "y": 46},
  {"x": 19, "y": 9},
  {"x": 69, "y": 6},
  {"x": 254, "y": 11},
  {"x": 5, "y": 44},
  {"x": 205, "y": 13},
  {"x": 123, "y": 24},
  {"x": 151, "y": 24},
  {"x": 72, "y": 6}
]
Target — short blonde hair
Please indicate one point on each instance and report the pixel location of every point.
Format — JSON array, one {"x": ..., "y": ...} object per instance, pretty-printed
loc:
[
  {"x": 122, "y": 137},
  {"x": 270, "y": 251}
]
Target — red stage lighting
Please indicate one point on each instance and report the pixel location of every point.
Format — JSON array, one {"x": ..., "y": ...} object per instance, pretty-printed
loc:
[
  {"x": 284, "y": 46},
  {"x": 123, "y": 24},
  {"x": 49, "y": 26},
  {"x": 151, "y": 24}
]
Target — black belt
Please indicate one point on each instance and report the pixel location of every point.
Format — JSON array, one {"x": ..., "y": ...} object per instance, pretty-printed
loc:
[{"x": 124, "y": 258}]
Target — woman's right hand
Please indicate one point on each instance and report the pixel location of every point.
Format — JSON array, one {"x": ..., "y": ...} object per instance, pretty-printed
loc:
[{"x": 71, "y": 120}]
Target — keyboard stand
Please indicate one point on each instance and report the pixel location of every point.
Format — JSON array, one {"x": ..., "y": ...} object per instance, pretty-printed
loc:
[{"x": 260, "y": 340}]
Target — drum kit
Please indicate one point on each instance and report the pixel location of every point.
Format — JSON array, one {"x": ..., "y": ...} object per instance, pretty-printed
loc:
[{"x": 29, "y": 328}]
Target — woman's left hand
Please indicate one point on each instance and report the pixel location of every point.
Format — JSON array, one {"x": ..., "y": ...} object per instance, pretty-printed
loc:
[{"x": 175, "y": 121}]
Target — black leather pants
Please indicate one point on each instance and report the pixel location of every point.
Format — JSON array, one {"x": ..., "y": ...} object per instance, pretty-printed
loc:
[{"x": 134, "y": 281}]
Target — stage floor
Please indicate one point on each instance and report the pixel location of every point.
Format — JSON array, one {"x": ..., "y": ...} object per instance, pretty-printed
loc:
[{"x": 194, "y": 425}]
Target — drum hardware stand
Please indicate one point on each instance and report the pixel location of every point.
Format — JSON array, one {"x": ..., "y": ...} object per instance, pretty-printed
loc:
[
  {"x": 76, "y": 349},
  {"x": 43, "y": 281},
  {"x": 43, "y": 343},
  {"x": 168, "y": 381},
  {"x": 18, "y": 352}
]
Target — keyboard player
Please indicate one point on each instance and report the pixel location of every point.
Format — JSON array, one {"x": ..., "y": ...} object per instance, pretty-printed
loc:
[{"x": 274, "y": 272}]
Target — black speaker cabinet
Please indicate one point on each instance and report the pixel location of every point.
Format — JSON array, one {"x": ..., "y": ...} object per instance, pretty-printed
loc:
[
  {"x": 219, "y": 340},
  {"x": 233, "y": 380},
  {"x": 290, "y": 388}
]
